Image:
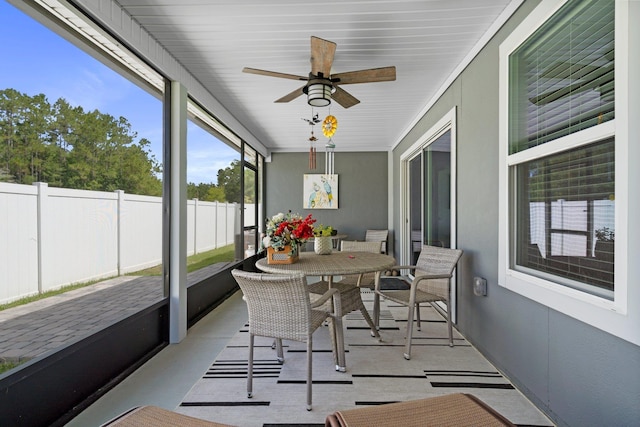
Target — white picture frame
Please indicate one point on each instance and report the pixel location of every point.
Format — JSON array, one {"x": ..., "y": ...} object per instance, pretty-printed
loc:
[{"x": 320, "y": 191}]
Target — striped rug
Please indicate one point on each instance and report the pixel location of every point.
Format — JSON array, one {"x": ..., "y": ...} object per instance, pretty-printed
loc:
[{"x": 376, "y": 374}]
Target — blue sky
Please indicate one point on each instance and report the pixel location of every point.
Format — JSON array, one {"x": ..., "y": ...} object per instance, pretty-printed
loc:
[{"x": 36, "y": 60}]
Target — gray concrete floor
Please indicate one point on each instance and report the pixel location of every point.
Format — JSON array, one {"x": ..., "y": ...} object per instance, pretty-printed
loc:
[{"x": 165, "y": 379}]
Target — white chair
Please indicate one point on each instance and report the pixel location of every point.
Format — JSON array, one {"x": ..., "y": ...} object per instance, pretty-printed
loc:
[
  {"x": 280, "y": 307},
  {"x": 431, "y": 283}
]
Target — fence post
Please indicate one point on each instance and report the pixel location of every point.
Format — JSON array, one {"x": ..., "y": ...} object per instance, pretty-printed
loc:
[
  {"x": 195, "y": 226},
  {"x": 119, "y": 232},
  {"x": 215, "y": 225},
  {"x": 41, "y": 228}
]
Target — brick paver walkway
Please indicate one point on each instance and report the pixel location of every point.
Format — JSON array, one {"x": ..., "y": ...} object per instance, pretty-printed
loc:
[{"x": 33, "y": 329}]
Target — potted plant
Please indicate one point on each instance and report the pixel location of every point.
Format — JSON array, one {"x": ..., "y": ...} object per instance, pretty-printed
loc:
[{"x": 322, "y": 243}]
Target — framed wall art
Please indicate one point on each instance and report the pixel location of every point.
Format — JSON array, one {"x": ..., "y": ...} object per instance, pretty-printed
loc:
[{"x": 320, "y": 191}]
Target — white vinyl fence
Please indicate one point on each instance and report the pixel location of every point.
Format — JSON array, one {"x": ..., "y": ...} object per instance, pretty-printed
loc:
[{"x": 51, "y": 237}]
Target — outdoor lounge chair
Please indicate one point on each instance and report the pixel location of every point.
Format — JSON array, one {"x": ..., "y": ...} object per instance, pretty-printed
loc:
[
  {"x": 153, "y": 416},
  {"x": 453, "y": 410}
]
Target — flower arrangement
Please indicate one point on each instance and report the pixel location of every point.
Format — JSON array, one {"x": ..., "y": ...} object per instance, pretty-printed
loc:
[
  {"x": 322, "y": 230},
  {"x": 288, "y": 229}
]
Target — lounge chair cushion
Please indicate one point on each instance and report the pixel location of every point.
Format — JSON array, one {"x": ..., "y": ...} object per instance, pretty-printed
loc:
[
  {"x": 153, "y": 416},
  {"x": 453, "y": 410}
]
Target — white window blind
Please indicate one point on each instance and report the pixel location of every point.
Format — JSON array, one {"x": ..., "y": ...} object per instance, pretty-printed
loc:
[{"x": 562, "y": 77}]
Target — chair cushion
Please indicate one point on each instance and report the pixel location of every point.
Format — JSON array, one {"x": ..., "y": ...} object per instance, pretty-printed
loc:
[
  {"x": 452, "y": 410},
  {"x": 153, "y": 416}
]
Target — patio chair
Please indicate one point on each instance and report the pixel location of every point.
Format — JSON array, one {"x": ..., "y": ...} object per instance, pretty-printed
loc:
[
  {"x": 365, "y": 280},
  {"x": 431, "y": 283},
  {"x": 378, "y": 236},
  {"x": 349, "y": 285},
  {"x": 280, "y": 307}
]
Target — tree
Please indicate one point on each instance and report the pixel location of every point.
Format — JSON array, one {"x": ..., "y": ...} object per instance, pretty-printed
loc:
[
  {"x": 229, "y": 180},
  {"x": 215, "y": 194},
  {"x": 68, "y": 147}
]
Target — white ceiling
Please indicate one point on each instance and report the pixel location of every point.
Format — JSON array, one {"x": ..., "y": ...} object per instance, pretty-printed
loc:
[{"x": 428, "y": 41}]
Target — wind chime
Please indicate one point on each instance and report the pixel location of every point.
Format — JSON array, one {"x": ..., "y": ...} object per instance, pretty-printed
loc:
[
  {"x": 312, "y": 150},
  {"x": 329, "y": 126}
]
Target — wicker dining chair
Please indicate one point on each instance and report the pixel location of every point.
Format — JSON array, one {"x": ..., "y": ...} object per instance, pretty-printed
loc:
[
  {"x": 378, "y": 236},
  {"x": 348, "y": 286},
  {"x": 280, "y": 307},
  {"x": 431, "y": 283},
  {"x": 365, "y": 280}
]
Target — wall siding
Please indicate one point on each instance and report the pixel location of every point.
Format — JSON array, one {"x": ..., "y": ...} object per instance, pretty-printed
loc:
[
  {"x": 362, "y": 184},
  {"x": 577, "y": 374}
]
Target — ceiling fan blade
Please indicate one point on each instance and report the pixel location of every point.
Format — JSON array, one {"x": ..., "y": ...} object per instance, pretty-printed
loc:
[
  {"x": 322, "y": 52},
  {"x": 273, "y": 74},
  {"x": 291, "y": 96},
  {"x": 344, "y": 98},
  {"x": 384, "y": 74}
]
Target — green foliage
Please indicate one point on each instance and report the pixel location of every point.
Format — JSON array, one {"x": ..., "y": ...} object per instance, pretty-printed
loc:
[
  {"x": 322, "y": 230},
  {"x": 206, "y": 192},
  {"x": 229, "y": 179},
  {"x": 68, "y": 147}
]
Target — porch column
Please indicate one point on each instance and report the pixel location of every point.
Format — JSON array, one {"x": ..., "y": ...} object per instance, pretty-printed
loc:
[{"x": 177, "y": 248}]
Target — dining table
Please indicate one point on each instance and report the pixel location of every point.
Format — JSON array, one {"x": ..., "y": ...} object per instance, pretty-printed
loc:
[{"x": 337, "y": 263}]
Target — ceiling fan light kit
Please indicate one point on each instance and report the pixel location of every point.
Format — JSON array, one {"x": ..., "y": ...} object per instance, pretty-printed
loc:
[
  {"x": 318, "y": 92},
  {"x": 322, "y": 87}
]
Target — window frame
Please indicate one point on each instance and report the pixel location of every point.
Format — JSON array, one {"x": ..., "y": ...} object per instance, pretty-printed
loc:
[{"x": 609, "y": 315}]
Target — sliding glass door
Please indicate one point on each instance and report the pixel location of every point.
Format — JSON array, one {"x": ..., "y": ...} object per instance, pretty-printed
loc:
[{"x": 428, "y": 197}]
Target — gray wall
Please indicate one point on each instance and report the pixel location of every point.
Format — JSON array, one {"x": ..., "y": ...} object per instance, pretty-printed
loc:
[
  {"x": 362, "y": 190},
  {"x": 578, "y": 374}
]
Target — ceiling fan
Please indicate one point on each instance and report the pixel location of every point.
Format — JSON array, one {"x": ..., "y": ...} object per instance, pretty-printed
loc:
[{"x": 322, "y": 86}]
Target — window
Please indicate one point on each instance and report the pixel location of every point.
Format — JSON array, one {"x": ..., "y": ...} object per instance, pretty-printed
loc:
[{"x": 561, "y": 149}]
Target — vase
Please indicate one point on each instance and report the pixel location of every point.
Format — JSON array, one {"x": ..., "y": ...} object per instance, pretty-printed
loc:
[
  {"x": 322, "y": 245},
  {"x": 284, "y": 256}
]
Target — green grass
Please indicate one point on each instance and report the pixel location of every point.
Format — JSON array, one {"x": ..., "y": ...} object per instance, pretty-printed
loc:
[
  {"x": 32, "y": 298},
  {"x": 6, "y": 366},
  {"x": 194, "y": 262}
]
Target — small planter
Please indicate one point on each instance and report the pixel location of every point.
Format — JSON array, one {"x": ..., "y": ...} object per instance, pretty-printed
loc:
[
  {"x": 284, "y": 256},
  {"x": 322, "y": 245}
]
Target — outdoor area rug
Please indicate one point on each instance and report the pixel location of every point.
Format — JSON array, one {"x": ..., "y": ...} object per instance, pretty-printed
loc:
[{"x": 377, "y": 373}]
